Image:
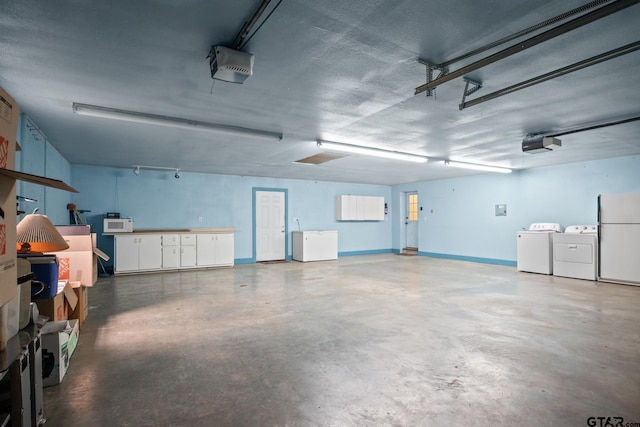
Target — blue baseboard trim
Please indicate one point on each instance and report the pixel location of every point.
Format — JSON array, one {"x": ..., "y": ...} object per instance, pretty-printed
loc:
[
  {"x": 470, "y": 259},
  {"x": 372, "y": 252}
]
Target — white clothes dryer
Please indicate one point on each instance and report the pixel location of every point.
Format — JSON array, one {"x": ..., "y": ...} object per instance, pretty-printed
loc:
[{"x": 575, "y": 252}]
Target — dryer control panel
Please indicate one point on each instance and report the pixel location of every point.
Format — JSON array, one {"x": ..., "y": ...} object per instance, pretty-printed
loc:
[{"x": 582, "y": 229}]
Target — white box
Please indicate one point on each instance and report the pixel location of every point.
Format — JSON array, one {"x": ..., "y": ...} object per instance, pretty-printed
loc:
[
  {"x": 79, "y": 263},
  {"x": 59, "y": 340}
]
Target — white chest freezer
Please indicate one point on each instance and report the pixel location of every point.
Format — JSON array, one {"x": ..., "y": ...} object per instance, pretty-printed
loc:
[{"x": 315, "y": 245}]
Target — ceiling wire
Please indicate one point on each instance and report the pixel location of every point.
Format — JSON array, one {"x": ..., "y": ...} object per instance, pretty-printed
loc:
[{"x": 260, "y": 26}]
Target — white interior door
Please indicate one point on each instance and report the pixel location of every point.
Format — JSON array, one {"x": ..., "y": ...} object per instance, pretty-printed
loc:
[
  {"x": 411, "y": 220},
  {"x": 270, "y": 225}
]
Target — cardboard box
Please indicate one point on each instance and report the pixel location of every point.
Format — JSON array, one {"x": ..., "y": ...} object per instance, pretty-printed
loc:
[
  {"x": 59, "y": 307},
  {"x": 79, "y": 263},
  {"x": 59, "y": 340},
  {"x": 9, "y": 116},
  {"x": 81, "y": 311}
]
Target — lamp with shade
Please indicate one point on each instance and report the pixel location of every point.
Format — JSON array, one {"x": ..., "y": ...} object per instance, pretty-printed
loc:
[{"x": 36, "y": 234}]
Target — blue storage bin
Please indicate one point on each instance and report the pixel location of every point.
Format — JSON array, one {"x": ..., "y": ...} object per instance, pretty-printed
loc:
[{"x": 45, "y": 269}]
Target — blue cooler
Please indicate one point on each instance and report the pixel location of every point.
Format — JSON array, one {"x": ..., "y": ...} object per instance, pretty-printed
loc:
[{"x": 45, "y": 269}]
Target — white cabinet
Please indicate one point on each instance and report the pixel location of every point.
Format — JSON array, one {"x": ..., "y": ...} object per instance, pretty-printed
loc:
[
  {"x": 173, "y": 250},
  {"x": 315, "y": 245},
  {"x": 359, "y": 208},
  {"x": 188, "y": 250},
  {"x": 138, "y": 252},
  {"x": 346, "y": 207},
  {"x": 224, "y": 249},
  {"x": 374, "y": 208},
  {"x": 215, "y": 250},
  {"x": 170, "y": 251}
]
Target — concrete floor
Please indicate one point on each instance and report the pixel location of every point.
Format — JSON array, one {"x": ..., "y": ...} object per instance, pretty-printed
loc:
[{"x": 370, "y": 340}]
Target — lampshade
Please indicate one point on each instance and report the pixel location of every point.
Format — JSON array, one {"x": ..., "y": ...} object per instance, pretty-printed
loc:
[{"x": 41, "y": 235}]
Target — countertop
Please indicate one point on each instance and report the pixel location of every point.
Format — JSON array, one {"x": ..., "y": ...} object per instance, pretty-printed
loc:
[{"x": 221, "y": 230}]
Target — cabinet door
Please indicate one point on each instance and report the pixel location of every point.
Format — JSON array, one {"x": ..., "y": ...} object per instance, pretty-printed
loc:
[
  {"x": 170, "y": 256},
  {"x": 224, "y": 249},
  {"x": 206, "y": 249},
  {"x": 347, "y": 208},
  {"x": 379, "y": 209},
  {"x": 342, "y": 208},
  {"x": 126, "y": 249},
  {"x": 188, "y": 256},
  {"x": 150, "y": 252},
  {"x": 374, "y": 208}
]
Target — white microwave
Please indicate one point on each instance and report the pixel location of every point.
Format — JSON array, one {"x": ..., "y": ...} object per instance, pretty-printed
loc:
[{"x": 118, "y": 225}]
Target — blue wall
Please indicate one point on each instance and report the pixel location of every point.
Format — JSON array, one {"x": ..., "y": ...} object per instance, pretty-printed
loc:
[
  {"x": 458, "y": 216},
  {"x": 38, "y": 157},
  {"x": 156, "y": 200}
]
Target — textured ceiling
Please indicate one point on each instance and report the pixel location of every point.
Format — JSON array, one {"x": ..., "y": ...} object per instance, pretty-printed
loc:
[{"x": 337, "y": 70}]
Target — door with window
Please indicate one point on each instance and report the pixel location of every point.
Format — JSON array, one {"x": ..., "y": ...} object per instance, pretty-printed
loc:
[
  {"x": 411, "y": 220},
  {"x": 270, "y": 225}
]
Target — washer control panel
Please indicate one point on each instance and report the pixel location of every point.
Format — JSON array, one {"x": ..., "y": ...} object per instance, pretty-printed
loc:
[{"x": 545, "y": 226}]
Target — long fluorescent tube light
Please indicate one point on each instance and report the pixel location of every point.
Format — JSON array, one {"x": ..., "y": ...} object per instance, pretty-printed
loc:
[
  {"x": 174, "y": 122},
  {"x": 476, "y": 167},
  {"x": 357, "y": 149}
]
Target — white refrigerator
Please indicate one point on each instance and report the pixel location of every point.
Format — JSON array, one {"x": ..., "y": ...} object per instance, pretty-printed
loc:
[{"x": 619, "y": 238}]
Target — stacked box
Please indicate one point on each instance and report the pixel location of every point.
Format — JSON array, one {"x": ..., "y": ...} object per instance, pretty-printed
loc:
[
  {"x": 59, "y": 340},
  {"x": 82, "y": 308},
  {"x": 9, "y": 116},
  {"x": 60, "y": 306}
]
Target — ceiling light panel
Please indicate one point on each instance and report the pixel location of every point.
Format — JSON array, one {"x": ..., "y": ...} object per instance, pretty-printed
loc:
[
  {"x": 358, "y": 149},
  {"x": 474, "y": 166},
  {"x": 174, "y": 122}
]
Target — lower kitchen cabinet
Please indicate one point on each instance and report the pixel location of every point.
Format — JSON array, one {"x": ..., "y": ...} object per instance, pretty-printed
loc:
[
  {"x": 139, "y": 252},
  {"x": 188, "y": 250},
  {"x": 214, "y": 250},
  {"x": 170, "y": 251}
]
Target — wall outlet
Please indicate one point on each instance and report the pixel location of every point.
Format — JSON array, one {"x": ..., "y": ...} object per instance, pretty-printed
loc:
[
  {"x": 296, "y": 219},
  {"x": 199, "y": 219}
]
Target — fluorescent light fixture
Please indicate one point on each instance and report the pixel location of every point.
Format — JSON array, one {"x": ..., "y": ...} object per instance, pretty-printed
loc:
[
  {"x": 476, "y": 167},
  {"x": 174, "y": 122},
  {"x": 358, "y": 149}
]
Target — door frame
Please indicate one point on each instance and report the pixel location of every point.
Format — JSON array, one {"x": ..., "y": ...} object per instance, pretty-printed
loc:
[
  {"x": 403, "y": 218},
  {"x": 286, "y": 219}
]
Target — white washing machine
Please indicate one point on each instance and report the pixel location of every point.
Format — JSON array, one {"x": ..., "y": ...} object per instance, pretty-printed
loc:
[
  {"x": 535, "y": 248},
  {"x": 575, "y": 252}
]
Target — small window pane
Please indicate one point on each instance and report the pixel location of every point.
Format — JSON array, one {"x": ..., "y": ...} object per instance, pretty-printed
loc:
[{"x": 413, "y": 207}]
